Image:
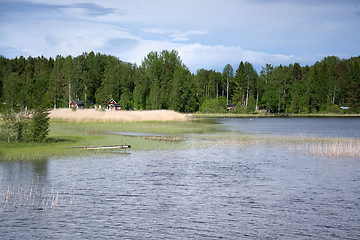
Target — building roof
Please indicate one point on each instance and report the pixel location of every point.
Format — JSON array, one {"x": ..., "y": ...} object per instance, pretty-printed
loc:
[
  {"x": 79, "y": 102},
  {"x": 112, "y": 101}
]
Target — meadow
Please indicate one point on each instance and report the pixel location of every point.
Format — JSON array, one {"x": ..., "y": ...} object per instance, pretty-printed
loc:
[
  {"x": 92, "y": 115},
  {"x": 70, "y": 130}
]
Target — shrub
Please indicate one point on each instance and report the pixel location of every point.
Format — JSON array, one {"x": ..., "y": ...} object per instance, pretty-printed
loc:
[
  {"x": 39, "y": 126},
  {"x": 213, "y": 106},
  {"x": 333, "y": 109},
  {"x": 14, "y": 125}
]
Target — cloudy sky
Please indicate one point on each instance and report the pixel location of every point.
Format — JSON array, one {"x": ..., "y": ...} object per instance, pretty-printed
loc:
[{"x": 206, "y": 33}]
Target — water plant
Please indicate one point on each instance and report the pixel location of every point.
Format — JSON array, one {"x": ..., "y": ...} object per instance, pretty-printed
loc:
[
  {"x": 340, "y": 147},
  {"x": 33, "y": 197}
]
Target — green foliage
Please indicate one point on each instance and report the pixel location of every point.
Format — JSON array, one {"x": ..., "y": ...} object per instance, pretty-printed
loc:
[
  {"x": 228, "y": 75},
  {"x": 213, "y": 106},
  {"x": 14, "y": 125},
  {"x": 164, "y": 82},
  {"x": 251, "y": 107},
  {"x": 333, "y": 108},
  {"x": 39, "y": 128},
  {"x": 125, "y": 100}
]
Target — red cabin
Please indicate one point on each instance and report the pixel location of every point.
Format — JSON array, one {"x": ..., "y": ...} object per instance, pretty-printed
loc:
[{"x": 112, "y": 105}]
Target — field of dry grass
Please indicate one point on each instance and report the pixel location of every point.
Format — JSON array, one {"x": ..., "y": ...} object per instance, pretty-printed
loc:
[{"x": 92, "y": 115}]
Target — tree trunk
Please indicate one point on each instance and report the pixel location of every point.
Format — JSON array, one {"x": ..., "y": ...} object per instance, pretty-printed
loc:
[
  {"x": 69, "y": 94},
  {"x": 279, "y": 102},
  {"x": 227, "y": 90},
  {"x": 85, "y": 94}
]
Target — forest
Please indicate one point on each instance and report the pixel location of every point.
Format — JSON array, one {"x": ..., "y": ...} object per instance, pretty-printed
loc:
[{"x": 163, "y": 81}]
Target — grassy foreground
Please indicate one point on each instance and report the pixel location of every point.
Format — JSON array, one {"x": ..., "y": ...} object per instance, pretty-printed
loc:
[
  {"x": 65, "y": 136},
  {"x": 84, "y": 129}
]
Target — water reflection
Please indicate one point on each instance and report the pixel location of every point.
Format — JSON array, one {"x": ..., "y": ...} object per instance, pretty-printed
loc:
[
  {"x": 40, "y": 169},
  {"x": 25, "y": 185},
  {"x": 251, "y": 191},
  {"x": 238, "y": 191},
  {"x": 33, "y": 171}
]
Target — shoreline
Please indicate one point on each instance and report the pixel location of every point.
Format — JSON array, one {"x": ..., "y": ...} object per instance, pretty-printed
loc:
[{"x": 273, "y": 115}]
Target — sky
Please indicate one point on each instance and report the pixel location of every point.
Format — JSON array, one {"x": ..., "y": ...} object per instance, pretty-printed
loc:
[{"x": 206, "y": 33}]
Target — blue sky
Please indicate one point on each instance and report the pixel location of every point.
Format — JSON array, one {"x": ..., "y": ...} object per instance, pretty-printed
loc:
[{"x": 206, "y": 33}]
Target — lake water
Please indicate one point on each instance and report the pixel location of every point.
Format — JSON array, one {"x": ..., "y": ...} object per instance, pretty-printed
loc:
[
  {"x": 248, "y": 191},
  {"x": 309, "y": 127}
]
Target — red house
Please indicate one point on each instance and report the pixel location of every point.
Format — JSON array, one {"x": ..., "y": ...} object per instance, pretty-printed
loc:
[
  {"x": 230, "y": 107},
  {"x": 77, "y": 104},
  {"x": 112, "y": 105}
]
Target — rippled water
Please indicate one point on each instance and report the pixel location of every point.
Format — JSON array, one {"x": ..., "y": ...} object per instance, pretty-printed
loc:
[
  {"x": 311, "y": 127},
  {"x": 253, "y": 191}
]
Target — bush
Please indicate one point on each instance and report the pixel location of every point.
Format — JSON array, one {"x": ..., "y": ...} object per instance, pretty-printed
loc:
[
  {"x": 14, "y": 125},
  {"x": 213, "y": 106},
  {"x": 240, "y": 109},
  {"x": 333, "y": 109}
]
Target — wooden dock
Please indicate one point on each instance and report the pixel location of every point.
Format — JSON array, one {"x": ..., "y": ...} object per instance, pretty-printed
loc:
[{"x": 105, "y": 147}]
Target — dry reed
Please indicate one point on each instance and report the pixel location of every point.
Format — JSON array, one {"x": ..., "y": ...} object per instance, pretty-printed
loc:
[
  {"x": 31, "y": 197},
  {"x": 331, "y": 148},
  {"x": 328, "y": 147},
  {"x": 92, "y": 115}
]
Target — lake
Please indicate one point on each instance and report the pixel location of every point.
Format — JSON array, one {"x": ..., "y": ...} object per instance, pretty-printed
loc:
[
  {"x": 309, "y": 127},
  {"x": 246, "y": 191}
]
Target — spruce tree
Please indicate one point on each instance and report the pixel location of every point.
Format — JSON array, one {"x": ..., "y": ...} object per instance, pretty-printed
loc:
[{"x": 39, "y": 129}]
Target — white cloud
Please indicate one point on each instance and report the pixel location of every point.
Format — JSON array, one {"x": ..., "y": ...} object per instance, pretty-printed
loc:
[
  {"x": 207, "y": 33},
  {"x": 196, "y": 56},
  {"x": 176, "y": 35},
  {"x": 185, "y": 36}
]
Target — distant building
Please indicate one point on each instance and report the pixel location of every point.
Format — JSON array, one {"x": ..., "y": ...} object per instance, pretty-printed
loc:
[
  {"x": 113, "y": 105},
  {"x": 77, "y": 104},
  {"x": 230, "y": 107}
]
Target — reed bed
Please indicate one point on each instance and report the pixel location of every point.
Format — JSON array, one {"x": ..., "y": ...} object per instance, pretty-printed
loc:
[
  {"x": 327, "y": 147},
  {"x": 92, "y": 115},
  {"x": 33, "y": 197},
  {"x": 330, "y": 147}
]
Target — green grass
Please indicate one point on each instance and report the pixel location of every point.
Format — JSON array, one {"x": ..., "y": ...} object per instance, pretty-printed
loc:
[{"x": 64, "y": 137}]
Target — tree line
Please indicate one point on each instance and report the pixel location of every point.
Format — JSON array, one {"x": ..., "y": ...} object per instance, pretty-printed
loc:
[{"x": 162, "y": 81}]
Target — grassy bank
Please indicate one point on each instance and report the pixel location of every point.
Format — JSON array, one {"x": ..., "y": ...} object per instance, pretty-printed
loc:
[{"x": 65, "y": 136}]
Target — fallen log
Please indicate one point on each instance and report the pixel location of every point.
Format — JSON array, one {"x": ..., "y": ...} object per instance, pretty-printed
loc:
[{"x": 105, "y": 147}]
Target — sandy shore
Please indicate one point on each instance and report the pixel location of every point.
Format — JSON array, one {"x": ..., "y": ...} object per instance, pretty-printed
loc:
[{"x": 89, "y": 115}]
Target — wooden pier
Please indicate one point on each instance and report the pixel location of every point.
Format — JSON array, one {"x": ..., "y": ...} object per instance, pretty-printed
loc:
[{"x": 123, "y": 147}]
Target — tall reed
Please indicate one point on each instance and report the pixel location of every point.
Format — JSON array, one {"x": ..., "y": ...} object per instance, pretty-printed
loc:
[
  {"x": 331, "y": 148},
  {"x": 13, "y": 198}
]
